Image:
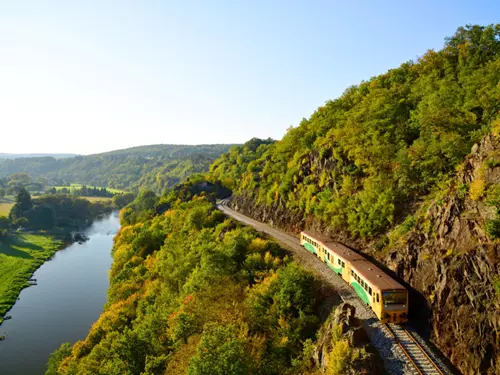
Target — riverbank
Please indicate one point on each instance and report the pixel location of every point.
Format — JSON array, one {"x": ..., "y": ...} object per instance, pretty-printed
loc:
[
  {"x": 20, "y": 256},
  {"x": 70, "y": 294}
]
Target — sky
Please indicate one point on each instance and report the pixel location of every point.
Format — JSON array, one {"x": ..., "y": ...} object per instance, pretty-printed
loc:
[{"x": 92, "y": 76}]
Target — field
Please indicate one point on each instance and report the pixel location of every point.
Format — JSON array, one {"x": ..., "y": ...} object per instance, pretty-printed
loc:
[
  {"x": 79, "y": 186},
  {"x": 20, "y": 256},
  {"x": 6, "y": 204},
  {"x": 96, "y": 199}
]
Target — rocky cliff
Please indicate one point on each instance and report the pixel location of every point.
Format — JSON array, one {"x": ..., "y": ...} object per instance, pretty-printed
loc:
[
  {"x": 448, "y": 259},
  {"x": 452, "y": 262}
]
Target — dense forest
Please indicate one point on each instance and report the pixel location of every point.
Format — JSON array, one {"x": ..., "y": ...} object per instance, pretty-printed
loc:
[
  {"x": 361, "y": 162},
  {"x": 157, "y": 167},
  {"x": 194, "y": 292}
]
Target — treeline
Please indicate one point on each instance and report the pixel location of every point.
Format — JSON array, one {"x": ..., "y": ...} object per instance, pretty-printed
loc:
[
  {"x": 193, "y": 292},
  {"x": 361, "y": 162},
  {"x": 11, "y": 184},
  {"x": 49, "y": 212},
  {"x": 84, "y": 191},
  {"x": 156, "y": 167}
]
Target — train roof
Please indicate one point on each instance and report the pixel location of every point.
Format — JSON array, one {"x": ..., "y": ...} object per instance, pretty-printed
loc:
[
  {"x": 317, "y": 236},
  {"x": 340, "y": 250},
  {"x": 375, "y": 276},
  {"x": 371, "y": 273}
]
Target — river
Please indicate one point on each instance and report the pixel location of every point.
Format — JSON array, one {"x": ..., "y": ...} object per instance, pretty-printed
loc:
[{"x": 69, "y": 297}]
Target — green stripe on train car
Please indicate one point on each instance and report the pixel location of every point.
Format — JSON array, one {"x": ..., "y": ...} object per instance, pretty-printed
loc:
[
  {"x": 336, "y": 270},
  {"x": 310, "y": 247},
  {"x": 361, "y": 292}
]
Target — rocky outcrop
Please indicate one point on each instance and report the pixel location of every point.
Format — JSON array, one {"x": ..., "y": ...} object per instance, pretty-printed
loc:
[
  {"x": 453, "y": 264},
  {"x": 343, "y": 321}
]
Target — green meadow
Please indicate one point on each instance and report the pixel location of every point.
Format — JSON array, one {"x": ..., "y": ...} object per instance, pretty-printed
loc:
[
  {"x": 6, "y": 204},
  {"x": 20, "y": 256}
]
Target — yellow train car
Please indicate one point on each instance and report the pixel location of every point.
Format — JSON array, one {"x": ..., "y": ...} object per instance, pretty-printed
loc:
[{"x": 384, "y": 295}]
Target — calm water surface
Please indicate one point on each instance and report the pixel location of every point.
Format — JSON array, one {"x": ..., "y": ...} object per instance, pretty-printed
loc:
[{"x": 69, "y": 297}]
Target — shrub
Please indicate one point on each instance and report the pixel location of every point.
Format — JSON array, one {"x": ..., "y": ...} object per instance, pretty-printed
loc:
[{"x": 476, "y": 190}]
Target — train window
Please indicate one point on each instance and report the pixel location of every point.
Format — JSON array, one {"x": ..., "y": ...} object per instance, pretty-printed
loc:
[
  {"x": 343, "y": 264},
  {"x": 352, "y": 273},
  {"x": 339, "y": 262},
  {"x": 370, "y": 290},
  {"x": 378, "y": 298}
]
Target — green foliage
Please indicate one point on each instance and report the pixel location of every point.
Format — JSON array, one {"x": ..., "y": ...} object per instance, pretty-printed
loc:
[
  {"x": 56, "y": 358},
  {"x": 194, "y": 292},
  {"x": 493, "y": 228},
  {"x": 121, "y": 200},
  {"x": 360, "y": 160},
  {"x": 54, "y": 211},
  {"x": 157, "y": 167},
  {"x": 496, "y": 286},
  {"x": 220, "y": 352},
  {"x": 141, "y": 208}
]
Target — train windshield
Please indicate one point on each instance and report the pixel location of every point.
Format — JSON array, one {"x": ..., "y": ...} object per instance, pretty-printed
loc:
[{"x": 394, "y": 298}]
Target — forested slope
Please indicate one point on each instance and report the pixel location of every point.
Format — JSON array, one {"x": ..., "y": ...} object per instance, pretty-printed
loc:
[
  {"x": 157, "y": 167},
  {"x": 192, "y": 292},
  {"x": 366, "y": 167},
  {"x": 361, "y": 160}
]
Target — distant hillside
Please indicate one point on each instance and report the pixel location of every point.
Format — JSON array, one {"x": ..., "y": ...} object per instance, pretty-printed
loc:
[
  {"x": 18, "y": 156},
  {"x": 159, "y": 166}
]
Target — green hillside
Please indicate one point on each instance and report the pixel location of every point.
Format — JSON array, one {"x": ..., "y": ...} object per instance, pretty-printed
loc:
[
  {"x": 361, "y": 162},
  {"x": 193, "y": 292},
  {"x": 165, "y": 165}
]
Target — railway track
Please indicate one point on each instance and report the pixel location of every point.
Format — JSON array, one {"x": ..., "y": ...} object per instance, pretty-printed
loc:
[
  {"x": 402, "y": 353},
  {"x": 416, "y": 354}
]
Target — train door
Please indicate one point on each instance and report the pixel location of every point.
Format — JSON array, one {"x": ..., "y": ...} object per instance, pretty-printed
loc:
[
  {"x": 346, "y": 271},
  {"x": 376, "y": 299}
]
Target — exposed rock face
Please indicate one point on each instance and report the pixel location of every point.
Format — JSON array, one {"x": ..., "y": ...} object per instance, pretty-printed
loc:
[
  {"x": 351, "y": 329},
  {"x": 449, "y": 260}
]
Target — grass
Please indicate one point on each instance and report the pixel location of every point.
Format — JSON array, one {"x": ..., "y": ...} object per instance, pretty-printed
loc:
[
  {"x": 97, "y": 199},
  {"x": 6, "y": 204},
  {"x": 5, "y": 208},
  {"x": 20, "y": 256},
  {"x": 79, "y": 186}
]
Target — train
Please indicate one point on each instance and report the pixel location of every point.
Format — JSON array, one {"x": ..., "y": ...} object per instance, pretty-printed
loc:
[{"x": 385, "y": 296}]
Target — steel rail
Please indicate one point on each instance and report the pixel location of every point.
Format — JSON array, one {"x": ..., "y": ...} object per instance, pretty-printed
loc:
[
  {"x": 396, "y": 339},
  {"x": 417, "y": 364}
]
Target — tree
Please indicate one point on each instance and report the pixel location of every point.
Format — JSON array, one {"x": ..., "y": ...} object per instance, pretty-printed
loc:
[
  {"x": 56, "y": 358},
  {"x": 220, "y": 352},
  {"x": 2, "y": 192},
  {"x": 22, "y": 206},
  {"x": 42, "y": 217},
  {"x": 121, "y": 200},
  {"x": 23, "y": 200},
  {"x": 4, "y": 227}
]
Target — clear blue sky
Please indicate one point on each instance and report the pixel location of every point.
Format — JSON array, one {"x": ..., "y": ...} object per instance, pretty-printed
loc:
[{"x": 91, "y": 76}]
